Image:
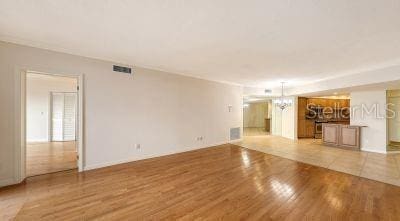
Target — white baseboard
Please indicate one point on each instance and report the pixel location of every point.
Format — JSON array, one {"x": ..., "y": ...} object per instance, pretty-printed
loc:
[
  {"x": 136, "y": 158},
  {"x": 37, "y": 141},
  {"x": 7, "y": 182},
  {"x": 237, "y": 140},
  {"x": 373, "y": 150},
  {"x": 393, "y": 152}
]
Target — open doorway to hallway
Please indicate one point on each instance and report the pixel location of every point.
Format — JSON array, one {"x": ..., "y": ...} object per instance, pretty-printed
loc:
[
  {"x": 256, "y": 116},
  {"x": 51, "y": 123},
  {"x": 393, "y": 120}
]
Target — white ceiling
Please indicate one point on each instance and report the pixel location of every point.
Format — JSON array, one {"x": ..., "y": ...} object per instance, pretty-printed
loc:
[{"x": 253, "y": 43}]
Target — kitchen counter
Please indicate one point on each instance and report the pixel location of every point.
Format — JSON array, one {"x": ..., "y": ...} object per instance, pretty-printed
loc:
[{"x": 341, "y": 135}]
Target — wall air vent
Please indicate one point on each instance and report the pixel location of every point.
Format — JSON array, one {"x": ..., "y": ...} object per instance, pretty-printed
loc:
[
  {"x": 122, "y": 69},
  {"x": 235, "y": 133}
]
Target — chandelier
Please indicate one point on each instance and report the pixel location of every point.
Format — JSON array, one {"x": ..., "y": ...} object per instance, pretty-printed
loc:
[{"x": 282, "y": 103}]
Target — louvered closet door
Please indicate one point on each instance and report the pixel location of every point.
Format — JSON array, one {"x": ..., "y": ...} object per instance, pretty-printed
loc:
[
  {"x": 57, "y": 100},
  {"x": 63, "y": 116},
  {"x": 69, "y": 125}
]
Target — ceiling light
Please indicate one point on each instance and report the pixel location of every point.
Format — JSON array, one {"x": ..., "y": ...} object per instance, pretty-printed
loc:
[{"x": 282, "y": 103}]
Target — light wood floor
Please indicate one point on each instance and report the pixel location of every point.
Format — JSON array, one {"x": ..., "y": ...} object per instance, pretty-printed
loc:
[
  {"x": 224, "y": 182},
  {"x": 49, "y": 157}
]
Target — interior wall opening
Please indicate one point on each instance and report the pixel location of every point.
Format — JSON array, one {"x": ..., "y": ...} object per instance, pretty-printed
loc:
[
  {"x": 51, "y": 123},
  {"x": 393, "y": 120},
  {"x": 314, "y": 111},
  {"x": 256, "y": 117}
]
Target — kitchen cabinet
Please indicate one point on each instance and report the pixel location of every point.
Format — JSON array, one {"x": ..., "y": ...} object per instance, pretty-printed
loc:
[
  {"x": 301, "y": 128},
  {"x": 306, "y": 127},
  {"x": 310, "y": 128},
  {"x": 316, "y": 102},
  {"x": 302, "y": 107},
  {"x": 301, "y": 116},
  {"x": 331, "y": 103},
  {"x": 345, "y": 136},
  {"x": 344, "y": 103}
]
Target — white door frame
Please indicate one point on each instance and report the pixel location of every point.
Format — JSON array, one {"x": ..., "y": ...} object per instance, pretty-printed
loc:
[{"x": 20, "y": 119}]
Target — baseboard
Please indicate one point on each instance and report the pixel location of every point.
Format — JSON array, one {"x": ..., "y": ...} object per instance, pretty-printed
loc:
[
  {"x": 237, "y": 140},
  {"x": 37, "y": 141},
  {"x": 373, "y": 150},
  {"x": 7, "y": 182},
  {"x": 393, "y": 152},
  {"x": 112, "y": 163}
]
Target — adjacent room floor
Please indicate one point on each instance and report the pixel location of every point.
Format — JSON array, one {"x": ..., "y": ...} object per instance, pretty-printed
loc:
[
  {"x": 224, "y": 182},
  {"x": 49, "y": 157},
  {"x": 381, "y": 167},
  {"x": 254, "y": 131}
]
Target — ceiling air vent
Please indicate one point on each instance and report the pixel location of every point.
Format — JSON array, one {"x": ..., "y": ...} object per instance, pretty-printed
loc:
[{"x": 122, "y": 69}]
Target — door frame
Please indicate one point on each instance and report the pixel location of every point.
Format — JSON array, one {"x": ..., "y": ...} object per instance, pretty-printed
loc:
[{"x": 20, "y": 119}]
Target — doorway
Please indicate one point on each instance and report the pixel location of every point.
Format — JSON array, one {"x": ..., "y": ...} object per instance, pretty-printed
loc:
[
  {"x": 393, "y": 120},
  {"x": 256, "y": 117},
  {"x": 51, "y": 123}
]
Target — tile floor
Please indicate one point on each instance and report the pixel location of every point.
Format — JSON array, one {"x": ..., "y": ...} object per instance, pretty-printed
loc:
[
  {"x": 254, "y": 131},
  {"x": 381, "y": 167}
]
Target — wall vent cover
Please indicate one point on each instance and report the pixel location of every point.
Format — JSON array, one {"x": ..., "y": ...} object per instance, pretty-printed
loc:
[
  {"x": 122, "y": 69},
  {"x": 235, "y": 133}
]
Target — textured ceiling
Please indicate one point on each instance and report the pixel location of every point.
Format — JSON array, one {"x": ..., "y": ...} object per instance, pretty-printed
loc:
[{"x": 253, "y": 43}]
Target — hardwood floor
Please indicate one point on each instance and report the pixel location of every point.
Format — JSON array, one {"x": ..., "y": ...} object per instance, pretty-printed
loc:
[
  {"x": 50, "y": 157},
  {"x": 224, "y": 182}
]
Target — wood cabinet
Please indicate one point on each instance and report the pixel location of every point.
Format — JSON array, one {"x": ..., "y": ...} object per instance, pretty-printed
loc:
[
  {"x": 310, "y": 128},
  {"x": 267, "y": 123},
  {"x": 333, "y": 103},
  {"x": 301, "y": 128},
  {"x": 301, "y": 116},
  {"x": 317, "y": 101},
  {"x": 340, "y": 135},
  {"x": 302, "y": 107},
  {"x": 306, "y": 127},
  {"x": 344, "y": 103}
]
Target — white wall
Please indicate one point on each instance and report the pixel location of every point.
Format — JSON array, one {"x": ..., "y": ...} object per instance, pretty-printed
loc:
[
  {"x": 161, "y": 111},
  {"x": 276, "y": 120},
  {"x": 38, "y": 89},
  {"x": 373, "y": 137},
  {"x": 284, "y": 122}
]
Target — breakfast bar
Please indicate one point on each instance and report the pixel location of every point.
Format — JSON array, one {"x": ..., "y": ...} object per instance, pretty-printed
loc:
[{"x": 341, "y": 135}]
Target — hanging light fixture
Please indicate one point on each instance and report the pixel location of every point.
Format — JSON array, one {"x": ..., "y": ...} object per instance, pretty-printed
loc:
[{"x": 282, "y": 103}]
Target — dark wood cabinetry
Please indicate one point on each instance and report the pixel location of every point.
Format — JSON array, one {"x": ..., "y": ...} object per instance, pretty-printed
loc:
[
  {"x": 267, "y": 123},
  {"x": 305, "y": 128},
  {"x": 306, "y": 125}
]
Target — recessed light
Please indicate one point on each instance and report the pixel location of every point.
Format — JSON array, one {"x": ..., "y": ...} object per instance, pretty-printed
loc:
[{"x": 335, "y": 93}]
